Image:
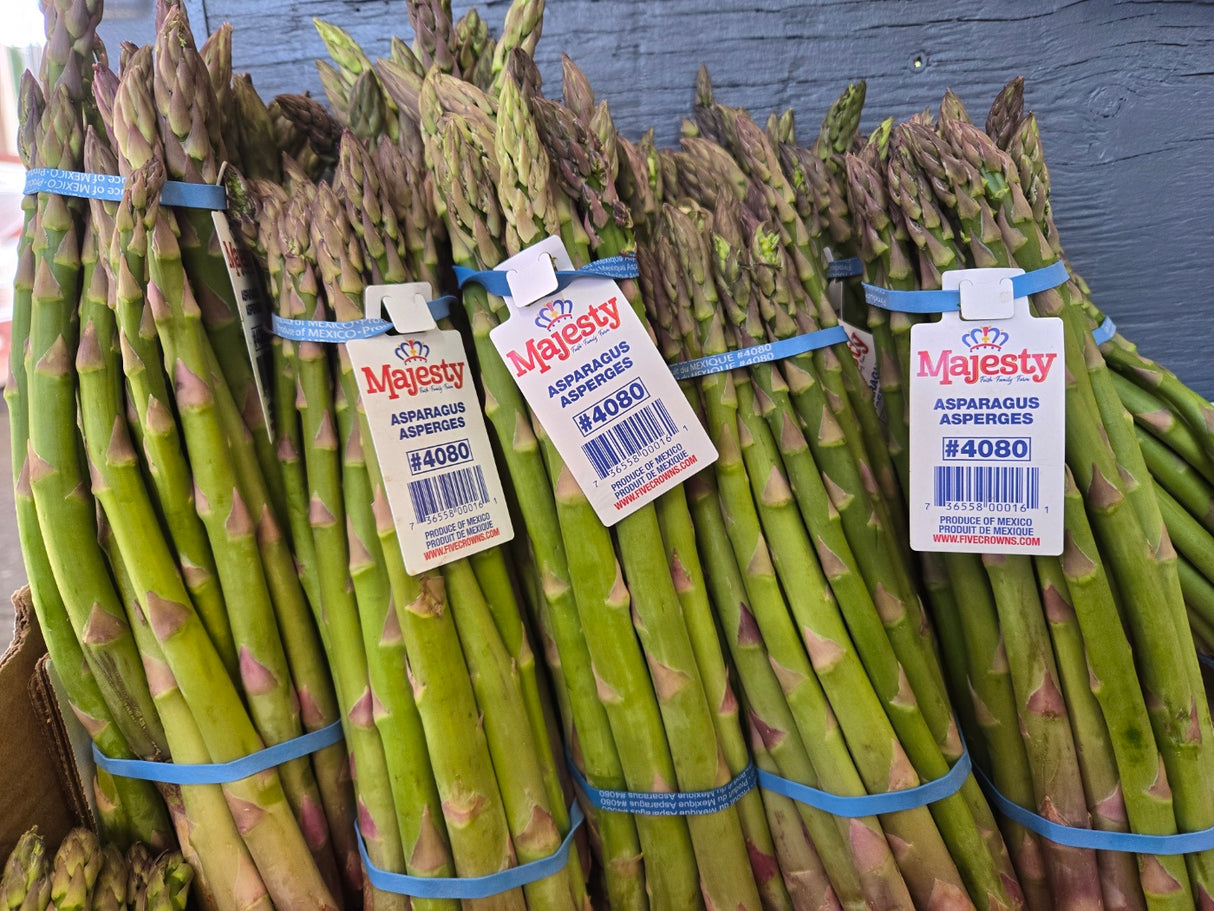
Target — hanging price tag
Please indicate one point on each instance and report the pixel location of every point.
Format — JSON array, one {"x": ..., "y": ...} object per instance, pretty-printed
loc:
[
  {"x": 987, "y": 423},
  {"x": 252, "y": 309},
  {"x": 599, "y": 386},
  {"x": 429, "y": 434}
]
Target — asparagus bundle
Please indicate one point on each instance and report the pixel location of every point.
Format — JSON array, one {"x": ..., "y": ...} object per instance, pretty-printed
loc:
[
  {"x": 175, "y": 579},
  {"x": 448, "y": 727},
  {"x": 1099, "y": 724}
]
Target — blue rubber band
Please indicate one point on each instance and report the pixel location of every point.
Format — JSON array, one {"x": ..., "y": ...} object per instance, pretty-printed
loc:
[
  {"x": 844, "y": 268},
  {"x": 1207, "y": 660},
  {"x": 1105, "y": 331},
  {"x": 872, "y": 804},
  {"x": 471, "y": 887},
  {"x": 221, "y": 772},
  {"x": 494, "y": 280},
  {"x": 759, "y": 354},
  {"x": 110, "y": 186},
  {"x": 319, "y": 330},
  {"x": 1097, "y": 839},
  {"x": 674, "y": 803},
  {"x": 948, "y": 301}
]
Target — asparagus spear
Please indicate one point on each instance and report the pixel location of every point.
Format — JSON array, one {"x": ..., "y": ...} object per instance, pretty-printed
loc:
[
  {"x": 26, "y": 881},
  {"x": 109, "y": 892},
  {"x": 74, "y": 870}
]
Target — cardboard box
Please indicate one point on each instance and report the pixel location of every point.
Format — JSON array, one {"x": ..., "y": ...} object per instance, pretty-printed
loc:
[{"x": 40, "y": 785}]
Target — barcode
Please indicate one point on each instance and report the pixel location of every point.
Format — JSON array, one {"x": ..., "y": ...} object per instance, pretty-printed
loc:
[
  {"x": 1017, "y": 485},
  {"x": 628, "y": 437},
  {"x": 452, "y": 490}
]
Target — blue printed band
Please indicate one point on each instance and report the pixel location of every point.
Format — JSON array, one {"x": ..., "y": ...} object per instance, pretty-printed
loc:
[
  {"x": 948, "y": 301},
  {"x": 471, "y": 887},
  {"x": 759, "y": 354},
  {"x": 657, "y": 803},
  {"x": 494, "y": 280},
  {"x": 844, "y": 268},
  {"x": 221, "y": 772},
  {"x": 320, "y": 330},
  {"x": 1097, "y": 839},
  {"x": 1105, "y": 331},
  {"x": 872, "y": 804},
  {"x": 110, "y": 187}
]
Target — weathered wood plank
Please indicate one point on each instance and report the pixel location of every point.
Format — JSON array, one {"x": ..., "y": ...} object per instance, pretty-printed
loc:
[{"x": 1124, "y": 92}]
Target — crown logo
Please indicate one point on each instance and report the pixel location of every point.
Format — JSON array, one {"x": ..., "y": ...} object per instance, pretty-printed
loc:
[
  {"x": 553, "y": 312},
  {"x": 984, "y": 337},
  {"x": 412, "y": 350}
]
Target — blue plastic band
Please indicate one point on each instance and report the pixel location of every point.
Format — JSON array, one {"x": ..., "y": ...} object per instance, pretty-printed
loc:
[
  {"x": 1105, "y": 331},
  {"x": 319, "y": 330},
  {"x": 471, "y": 887},
  {"x": 872, "y": 804},
  {"x": 947, "y": 301},
  {"x": 759, "y": 354},
  {"x": 844, "y": 268},
  {"x": 674, "y": 803},
  {"x": 494, "y": 280},
  {"x": 221, "y": 772},
  {"x": 1097, "y": 839},
  {"x": 110, "y": 187}
]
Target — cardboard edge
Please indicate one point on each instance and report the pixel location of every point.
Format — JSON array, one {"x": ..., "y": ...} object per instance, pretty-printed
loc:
[
  {"x": 62, "y": 747},
  {"x": 34, "y": 792}
]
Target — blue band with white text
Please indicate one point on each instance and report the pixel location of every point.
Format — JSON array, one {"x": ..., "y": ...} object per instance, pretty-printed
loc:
[
  {"x": 110, "y": 186},
  {"x": 759, "y": 354},
  {"x": 319, "y": 330},
  {"x": 663, "y": 803}
]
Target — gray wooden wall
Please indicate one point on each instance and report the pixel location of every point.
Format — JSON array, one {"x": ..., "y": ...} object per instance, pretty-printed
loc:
[{"x": 1124, "y": 93}]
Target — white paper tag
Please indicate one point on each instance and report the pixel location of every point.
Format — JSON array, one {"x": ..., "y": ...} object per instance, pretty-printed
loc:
[
  {"x": 987, "y": 432},
  {"x": 253, "y": 311},
  {"x": 429, "y": 435},
  {"x": 864, "y": 352},
  {"x": 590, "y": 372}
]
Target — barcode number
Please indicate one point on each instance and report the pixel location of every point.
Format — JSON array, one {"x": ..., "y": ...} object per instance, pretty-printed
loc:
[
  {"x": 628, "y": 437},
  {"x": 463, "y": 487},
  {"x": 987, "y": 484}
]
